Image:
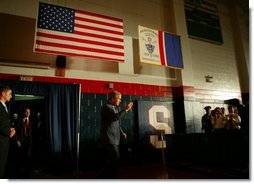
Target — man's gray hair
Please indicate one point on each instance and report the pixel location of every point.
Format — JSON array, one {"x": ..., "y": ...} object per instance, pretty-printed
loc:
[{"x": 113, "y": 95}]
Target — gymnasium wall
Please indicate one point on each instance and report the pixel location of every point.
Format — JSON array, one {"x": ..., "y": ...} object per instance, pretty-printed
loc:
[{"x": 227, "y": 63}]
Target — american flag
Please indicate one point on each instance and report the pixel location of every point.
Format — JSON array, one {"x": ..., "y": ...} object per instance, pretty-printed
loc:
[{"x": 65, "y": 31}]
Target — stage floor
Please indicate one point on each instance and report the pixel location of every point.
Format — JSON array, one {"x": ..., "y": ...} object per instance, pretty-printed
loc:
[{"x": 175, "y": 170}]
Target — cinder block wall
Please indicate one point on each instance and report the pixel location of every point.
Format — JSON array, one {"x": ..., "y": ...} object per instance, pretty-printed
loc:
[{"x": 200, "y": 58}]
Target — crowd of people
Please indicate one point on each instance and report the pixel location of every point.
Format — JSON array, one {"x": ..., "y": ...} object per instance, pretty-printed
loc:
[
  {"x": 216, "y": 121},
  {"x": 19, "y": 138}
]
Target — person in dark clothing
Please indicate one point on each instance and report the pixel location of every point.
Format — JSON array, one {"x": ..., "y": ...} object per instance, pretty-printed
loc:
[
  {"x": 12, "y": 167},
  {"x": 110, "y": 133},
  {"x": 39, "y": 142},
  {"x": 24, "y": 140},
  {"x": 6, "y": 132},
  {"x": 207, "y": 120}
]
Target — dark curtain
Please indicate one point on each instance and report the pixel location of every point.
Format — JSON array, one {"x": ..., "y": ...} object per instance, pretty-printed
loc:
[
  {"x": 63, "y": 110},
  {"x": 63, "y": 118}
]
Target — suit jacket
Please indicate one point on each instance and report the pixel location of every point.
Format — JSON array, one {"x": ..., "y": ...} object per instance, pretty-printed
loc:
[
  {"x": 4, "y": 138},
  {"x": 110, "y": 124},
  {"x": 20, "y": 129}
]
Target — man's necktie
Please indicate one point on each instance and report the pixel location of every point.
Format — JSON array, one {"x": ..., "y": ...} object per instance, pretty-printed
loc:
[
  {"x": 5, "y": 107},
  {"x": 116, "y": 109},
  {"x": 26, "y": 127}
]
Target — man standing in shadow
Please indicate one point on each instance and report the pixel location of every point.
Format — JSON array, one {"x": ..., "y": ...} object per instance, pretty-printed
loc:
[
  {"x": 24, "y": 134},
  {"x": 6, "y": 132},
  {"x": 207, "y": 120},
  {"x": 110, "y": 134}
]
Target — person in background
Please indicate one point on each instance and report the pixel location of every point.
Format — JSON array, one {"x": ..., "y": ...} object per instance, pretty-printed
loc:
[
  {"x": 207, "y": 120},
  {"x": 6, "y": 131},
  {"x": 24, "y": 140},
  {"x": 39, "y": 129},
  {"x": 14, "y": 121},
  {"x": 223, "y": 110},
  {"x": 39, "y": 142},
  {"x": 233, "y": 120},
  {"x": 110, "y": 133},
  {"x": 12, "y": 167},
  {"x": 218, "y": 121}
]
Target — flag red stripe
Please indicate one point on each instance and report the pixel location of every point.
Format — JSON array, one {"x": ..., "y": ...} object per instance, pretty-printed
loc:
[
  {"x": 98, "y": 29},
  {"x": 98, "y": 22},
  {"x": 98, "y": 36},
  {"x": 78, "y": 48},
  {"x": 46, "y": 35},
  {"x": 161, "y": 48},
  {"x": 98, "y": 15},
  {"x": 71, "y": 54}
]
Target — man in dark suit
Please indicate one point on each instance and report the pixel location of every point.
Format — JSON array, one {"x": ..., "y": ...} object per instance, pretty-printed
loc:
[
  {"x": 5, "y": 128},
  {"x": 24, "y": 141},
  {"x": 110, "y": 133},
  {"x": 206, "y": 120}
]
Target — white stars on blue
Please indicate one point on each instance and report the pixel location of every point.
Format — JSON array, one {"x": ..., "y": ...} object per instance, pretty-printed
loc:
[{"x": 56, "y": 18}]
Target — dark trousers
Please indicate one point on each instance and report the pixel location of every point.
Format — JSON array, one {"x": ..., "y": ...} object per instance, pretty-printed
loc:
[
  {"x": 4, "y": 150},
  {"x": 24, "y": 161},
  {"x": 13, "y": 162},
  {"x": 110, "y": 165}
]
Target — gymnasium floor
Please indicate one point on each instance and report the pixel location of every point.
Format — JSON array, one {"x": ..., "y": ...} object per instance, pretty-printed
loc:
[{"x": 174, "y": 170}]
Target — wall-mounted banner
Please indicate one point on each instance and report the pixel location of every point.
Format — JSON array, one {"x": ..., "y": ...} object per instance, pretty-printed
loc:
[
  {"x": 160, "y": 48},
  {"x": 155, "y": 118},
  {"x": 70, "y": 32}
]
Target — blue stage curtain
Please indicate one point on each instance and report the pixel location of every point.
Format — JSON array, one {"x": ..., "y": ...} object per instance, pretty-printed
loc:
[{"x": 63, "y": 119}]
